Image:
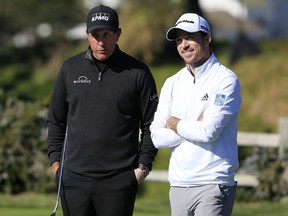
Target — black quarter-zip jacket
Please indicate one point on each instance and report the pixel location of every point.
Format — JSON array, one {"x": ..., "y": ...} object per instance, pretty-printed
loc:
[{"x": 103, "y": 109}]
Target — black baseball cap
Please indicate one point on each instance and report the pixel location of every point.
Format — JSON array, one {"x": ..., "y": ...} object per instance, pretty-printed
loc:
[{"x": 102, "y": 17}]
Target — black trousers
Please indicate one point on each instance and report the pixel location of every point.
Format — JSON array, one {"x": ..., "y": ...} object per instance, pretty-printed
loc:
[{"x": 114, "y": 196}]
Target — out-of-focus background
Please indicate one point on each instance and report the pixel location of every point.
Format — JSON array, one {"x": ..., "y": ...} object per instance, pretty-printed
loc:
[{"x": 249, "y": 36}]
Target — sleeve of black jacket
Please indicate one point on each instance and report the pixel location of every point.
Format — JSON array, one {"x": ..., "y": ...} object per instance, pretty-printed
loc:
[
  {"x": 148, "y": 104},
  {"x": 57, "y": 120}
]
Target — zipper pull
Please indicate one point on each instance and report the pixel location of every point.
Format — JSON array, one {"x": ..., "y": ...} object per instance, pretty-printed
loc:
[{"x": 100, "y": 76}]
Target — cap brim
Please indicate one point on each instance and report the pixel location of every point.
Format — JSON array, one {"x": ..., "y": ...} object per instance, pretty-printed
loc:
[
  {"x": 111, "y": 28},
  {"x": 171, "y": 33}
]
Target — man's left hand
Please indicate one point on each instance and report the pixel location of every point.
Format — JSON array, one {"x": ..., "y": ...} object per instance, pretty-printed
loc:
[{"x": 172, "y": 123}]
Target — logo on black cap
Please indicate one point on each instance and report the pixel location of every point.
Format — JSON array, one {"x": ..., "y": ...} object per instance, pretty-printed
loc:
[{"x": 100, "y": 16}]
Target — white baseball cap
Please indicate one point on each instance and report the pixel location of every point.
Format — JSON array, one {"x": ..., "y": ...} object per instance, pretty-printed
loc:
[{"x": 189, "y": 22}]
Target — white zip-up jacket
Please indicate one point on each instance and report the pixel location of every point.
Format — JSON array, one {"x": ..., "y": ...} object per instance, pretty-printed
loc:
[{"x": 203, "y": 152}]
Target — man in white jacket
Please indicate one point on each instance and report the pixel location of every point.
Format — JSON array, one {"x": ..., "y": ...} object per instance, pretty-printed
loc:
[{"x": 197, "y": 117}]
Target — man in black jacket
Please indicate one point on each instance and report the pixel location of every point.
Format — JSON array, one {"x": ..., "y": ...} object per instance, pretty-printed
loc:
[{"x": 102, "y": 97}]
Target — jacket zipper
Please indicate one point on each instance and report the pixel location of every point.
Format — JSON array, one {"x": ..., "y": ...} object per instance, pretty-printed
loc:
[{"x": 99, "y": 76}]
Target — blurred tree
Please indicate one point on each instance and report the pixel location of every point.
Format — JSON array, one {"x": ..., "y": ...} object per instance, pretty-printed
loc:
[
  {"x": 192, "y": 6},
  {"x": 31, "y": 32},
  {"x": 18, "y": 16},
  {"x": 23, "y": 154},
  {"x": 243, "y": 46},
  {"x": 144, "y": 24}
]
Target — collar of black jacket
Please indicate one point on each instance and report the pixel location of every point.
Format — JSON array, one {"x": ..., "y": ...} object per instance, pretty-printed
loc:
[{"x": 91, "y": 58}]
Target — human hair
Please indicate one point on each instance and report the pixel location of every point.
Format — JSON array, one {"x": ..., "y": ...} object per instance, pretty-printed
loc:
[{"x": 203, "y": 35}]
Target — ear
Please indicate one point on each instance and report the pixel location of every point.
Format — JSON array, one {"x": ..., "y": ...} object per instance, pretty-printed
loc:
[
  {"x": 118, "y": 32},
  {"x": 207, "y": 39},
  {"x": 88, "y": 36}
]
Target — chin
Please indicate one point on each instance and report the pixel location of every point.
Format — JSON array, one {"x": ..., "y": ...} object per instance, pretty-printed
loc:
[{"x": 102, "y": 57}]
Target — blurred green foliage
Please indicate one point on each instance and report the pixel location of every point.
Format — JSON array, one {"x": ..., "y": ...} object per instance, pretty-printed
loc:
[
  {"x": 25, "y": 87},
  {"x": 23, "y": 160}
]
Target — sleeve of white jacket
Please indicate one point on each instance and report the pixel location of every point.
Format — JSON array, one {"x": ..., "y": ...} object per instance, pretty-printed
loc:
[
  {"x": 216, "y": 117},
  {"x": 163, "y": 137}
]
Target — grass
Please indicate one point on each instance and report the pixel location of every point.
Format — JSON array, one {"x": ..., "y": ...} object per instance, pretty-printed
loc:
[{"x": 152, "y": 201}]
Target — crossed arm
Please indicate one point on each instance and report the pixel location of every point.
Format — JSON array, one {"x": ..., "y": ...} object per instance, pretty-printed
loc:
[{"x": 172, "y": 122}]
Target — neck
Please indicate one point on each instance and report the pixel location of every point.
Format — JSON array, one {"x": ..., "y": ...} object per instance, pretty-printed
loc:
[{"x": 199, "y": 63}]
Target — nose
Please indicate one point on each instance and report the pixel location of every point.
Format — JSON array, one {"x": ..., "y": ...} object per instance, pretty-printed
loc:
[
  {"x": 101, "y": 42},
  {"x": 185, "y": 43}
]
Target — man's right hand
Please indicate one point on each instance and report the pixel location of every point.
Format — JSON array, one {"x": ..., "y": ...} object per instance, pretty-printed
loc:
[
  {"x": 140, "y": 175},
  {"x": 54, "y": 167},
  {"x": 201, "y": 117}
]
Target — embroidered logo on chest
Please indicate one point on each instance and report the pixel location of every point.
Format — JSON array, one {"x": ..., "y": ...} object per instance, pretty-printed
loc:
[
  {"x": 205, "y": 97},
  {"x": 82, "y": 80}
]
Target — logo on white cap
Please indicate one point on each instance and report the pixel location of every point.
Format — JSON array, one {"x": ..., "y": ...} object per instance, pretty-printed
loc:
[{"x": 181, "y": 21}]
